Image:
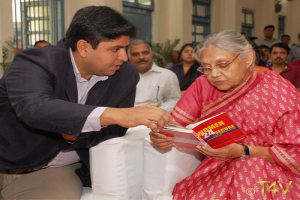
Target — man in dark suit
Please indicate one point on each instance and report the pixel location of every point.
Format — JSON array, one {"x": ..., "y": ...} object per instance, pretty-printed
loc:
[{"x": 58, "y": 101}]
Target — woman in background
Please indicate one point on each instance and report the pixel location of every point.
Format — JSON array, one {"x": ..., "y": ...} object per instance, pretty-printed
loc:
[{"x": 186, "y": 70}]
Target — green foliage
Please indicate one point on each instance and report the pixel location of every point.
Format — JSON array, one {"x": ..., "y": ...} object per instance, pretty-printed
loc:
[
  {"x": 8, "y": 52},
  {"x": 161, "y": 52}
]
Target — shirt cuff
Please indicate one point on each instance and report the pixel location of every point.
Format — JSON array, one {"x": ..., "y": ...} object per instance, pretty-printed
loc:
[{"x": 92, "y": 122}]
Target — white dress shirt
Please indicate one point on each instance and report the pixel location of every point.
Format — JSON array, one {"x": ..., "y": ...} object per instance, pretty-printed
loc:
[
  {"x": 92, "y": 122},
  {"x": 158, "y": 86}
]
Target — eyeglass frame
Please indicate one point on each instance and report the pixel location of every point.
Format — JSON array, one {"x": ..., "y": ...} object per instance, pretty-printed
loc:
[{"x": 219, "y": 69}]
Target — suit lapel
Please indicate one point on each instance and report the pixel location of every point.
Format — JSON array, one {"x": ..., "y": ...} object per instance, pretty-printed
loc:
[
  {"x": 97, "y": 92},
  {"x": 71, "y": 85}
]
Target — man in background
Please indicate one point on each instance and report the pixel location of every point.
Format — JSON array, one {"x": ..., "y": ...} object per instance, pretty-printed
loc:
[
  {"x": 268, "y": 37},
  {"x": 174, "y": 59},
  {"x": 41, "y": 43},
  {"x": 286, "y": 39},
  {"x": 157, "y": 86},
  {"x": 295, "y": 51},
  {"x": 279, "y": 55}
]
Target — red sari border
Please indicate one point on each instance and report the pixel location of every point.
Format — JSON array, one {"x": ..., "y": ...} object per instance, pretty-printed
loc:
[
  {"x": 285, "y": 159},
  {"x": 180, "y": 113}
]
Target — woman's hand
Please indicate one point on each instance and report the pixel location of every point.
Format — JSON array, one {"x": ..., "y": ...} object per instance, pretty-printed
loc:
[
  {"x": 228, "y": 152},
  {"x": 160, "y": 140},
  {"x": 175, "y": 123}
]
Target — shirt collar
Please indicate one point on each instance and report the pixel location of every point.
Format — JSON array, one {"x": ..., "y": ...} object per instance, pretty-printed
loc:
[
  {"x": 155, "y": 68},
  {"x": 285, "y": 67},
  {"x": 78, "y": 75}
]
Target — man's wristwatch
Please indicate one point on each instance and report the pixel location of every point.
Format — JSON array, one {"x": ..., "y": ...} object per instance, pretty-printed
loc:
[{"x": 246, "y": 152}]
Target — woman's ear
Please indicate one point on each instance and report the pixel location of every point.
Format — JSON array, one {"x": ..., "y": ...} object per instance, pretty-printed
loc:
[
  {"x": 82, "y": 48},
  {"x": 249, "y": 58}
]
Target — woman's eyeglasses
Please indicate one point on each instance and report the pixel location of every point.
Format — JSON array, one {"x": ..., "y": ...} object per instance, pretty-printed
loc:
[{"x": 206, "y": 68}]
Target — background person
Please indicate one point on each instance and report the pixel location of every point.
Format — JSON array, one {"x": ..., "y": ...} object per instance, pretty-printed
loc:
[
  {"x": 268, "y": 37},
  {"x": 174, "y": 59},
  {"x": 58, "y": 101},
  {"x": 261, "y": 58},
  {"x": 186, "y": 70},
  {"x": 286, "y": 39},
  {"x": 157, "y": 86},
  {"x": 264, "y": 106},
  {"x": 266, "y": 58},
  {"x": 295, "y": 51},
  {"x": 41, "y": 43},
  {"x": 253, "y": 39},
  {"x": 279, "y": 55}
]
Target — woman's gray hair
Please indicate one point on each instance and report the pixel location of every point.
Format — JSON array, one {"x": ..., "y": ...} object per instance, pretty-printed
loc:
[
  {"x": 229, "y": 41},
  {"x": 136, "y": 42}
]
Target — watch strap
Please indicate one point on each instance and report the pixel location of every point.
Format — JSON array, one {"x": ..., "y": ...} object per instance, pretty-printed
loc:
[{"x": 246, "y": 151}]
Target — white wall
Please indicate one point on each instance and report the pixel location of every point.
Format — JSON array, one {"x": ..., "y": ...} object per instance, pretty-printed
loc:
[
  {"x": 264, "y": 11},
  {"x": 72, "y": 6},
  {"x": 172, "y": 19},
  {"x": 290, "y": 9},
  {"x": 226, "y": 14}
]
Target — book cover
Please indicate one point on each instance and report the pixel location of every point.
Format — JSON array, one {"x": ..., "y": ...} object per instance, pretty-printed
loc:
[{"x": 215, "y": 132}]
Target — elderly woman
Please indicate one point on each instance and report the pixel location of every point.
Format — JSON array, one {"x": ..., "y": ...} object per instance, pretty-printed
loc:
[{"x": 265, "y": 106}]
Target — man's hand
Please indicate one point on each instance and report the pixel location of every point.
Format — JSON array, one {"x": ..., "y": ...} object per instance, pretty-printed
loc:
[
  {"x": 151, "y": 116},
  {"x": 228, "y": 152}
]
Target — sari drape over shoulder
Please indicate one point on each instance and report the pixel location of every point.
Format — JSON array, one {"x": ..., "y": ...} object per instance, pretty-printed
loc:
[{"x": 267, "y": 108}]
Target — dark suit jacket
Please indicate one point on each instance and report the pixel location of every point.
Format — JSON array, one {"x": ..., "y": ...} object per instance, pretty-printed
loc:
[{"x": 38, "y": 102}]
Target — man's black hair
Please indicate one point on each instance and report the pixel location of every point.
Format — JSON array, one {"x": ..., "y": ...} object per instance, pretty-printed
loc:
[
  {"x": 270, "y": 26},
  {"x": 264, "y": 47},
  {"x": 40, "y": 41},
  {"x": 252, "y": 38},
  {"x": 281, "y": 45},
  {"x": 298, "y": 35},
  {"x": 285, "y": 36},
  {"x": 95, "y": 24}
]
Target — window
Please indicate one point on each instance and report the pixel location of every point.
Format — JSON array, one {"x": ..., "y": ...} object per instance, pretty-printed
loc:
[
  {"x": 138, "y": 12},
  {"x": 247, "y": 22},
  {"x": 144, "y": 4},
  {"x": 201, "y": 20},
  {"x": 281, "y": 23},
  {"x": 39, "y": 20}
]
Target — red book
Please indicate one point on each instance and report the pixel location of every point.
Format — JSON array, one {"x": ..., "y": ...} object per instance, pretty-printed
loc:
[{"x": 215, "y": 132}]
